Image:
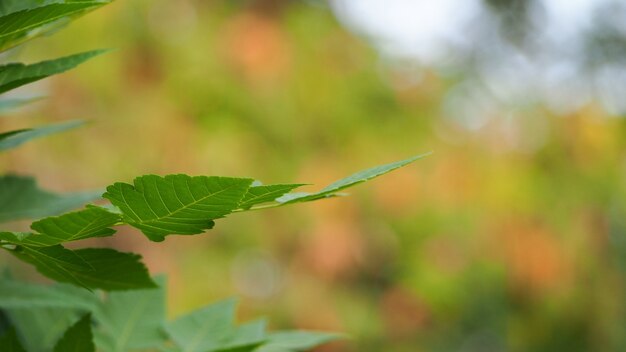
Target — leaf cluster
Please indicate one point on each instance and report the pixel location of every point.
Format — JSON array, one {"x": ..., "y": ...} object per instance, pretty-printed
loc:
[
  {"x": 130, "y": 315},
  {"x": 66, "y": 318}
]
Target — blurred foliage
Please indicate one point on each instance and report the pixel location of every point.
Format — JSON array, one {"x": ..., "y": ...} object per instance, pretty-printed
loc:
[{"x": 511, "y": 237}]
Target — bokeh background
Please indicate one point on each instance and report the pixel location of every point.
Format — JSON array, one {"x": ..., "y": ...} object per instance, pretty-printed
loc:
[{"x": 511, "y": 237}]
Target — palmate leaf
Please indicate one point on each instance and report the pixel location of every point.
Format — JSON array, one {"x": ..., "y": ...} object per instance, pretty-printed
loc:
[
  {"x": 15, "y": 75},
  {"x": 21, "y": 22},
  {"x": 131, "y": 320},
  {"x": 78, "y": 338},
  {"x": 20, "y": 198},
  {"x": 13, "y": 139},
  {"x": 176, "y": 204},
  {"x": 91, "y": 268},
  {"x": 212, "y": 329},
  {"x": 352, "y": 180}
]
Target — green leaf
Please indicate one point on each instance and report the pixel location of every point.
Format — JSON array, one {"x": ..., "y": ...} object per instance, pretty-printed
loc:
[
  {"x": 78, "y": 337},
  {"x": 8, "y": 105},
  {"x": 17, "y": 27},
  {"x": 14, "y": 75},
  {"x": 16, "y": 294},
  {"x": 91, "y": 268},
  {"x": 41, "y": 327},
  {"x": 288, "y": 341},
  {"x": 352, "y": 180},
  {"x": 263, "y": 194},
  {"x": 15, "y": 138},
  {"x": 9, "y": 342},
  {"x": 20, "y": 198},
  {"x": 90, "y": 222},
  {"x": 131, "y": 319},
  {"x": 176, "y": 204},
  {"x": 212, "y": 329},
  {"x": 41, "y": 313}
]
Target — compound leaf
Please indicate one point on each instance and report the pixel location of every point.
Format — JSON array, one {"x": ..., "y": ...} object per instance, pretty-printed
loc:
[
  {"x": 14, "y": 75},
  {"x": 78, "y": 338},
  {"x": 20, "y": 198},
  {"x": 176, "y": 204},
  {"x": 15, "y": 138}
]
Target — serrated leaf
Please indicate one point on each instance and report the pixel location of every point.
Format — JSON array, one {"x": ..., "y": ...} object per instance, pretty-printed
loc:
[
  {"x": 17, "y": 27},
  {"x": 212, "y": 329},
  {"x": 352, "y": 180},
  {"x": 292, "y": 341},
  {"x": 15, "y": 138},
  {"x": 263, "y": 194},
  {"x": 20, "y": 198},
  {"x": 78, "y": 338},
  {"x": 176, "y": 204},
  {"x": 131, "y": 319},
  {"x": 91, "y": 268},
  {"x": 9, "y": 342},
  {"x": 14, "y": 75},
  {"x": 90, "y": 222},
  {"x": 8, "y": 105}
]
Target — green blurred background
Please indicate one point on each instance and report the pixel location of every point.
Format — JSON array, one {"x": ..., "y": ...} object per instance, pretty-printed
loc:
[{"x": 509, "y": 238}]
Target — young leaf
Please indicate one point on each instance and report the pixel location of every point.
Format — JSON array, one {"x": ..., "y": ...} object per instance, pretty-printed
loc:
[
  {"x": 90, "y": 222},
  {"x": 20, "y": 198},
  {"x": 9, "y": 342},
  {"x": 354, "y": 179},
  {"x": 8, "y": 105},
  {"x": 17, "y": 27},
  {"x": 263, "y": 194},
  {"x": 291, "y": 341},
  {"x": 131, "y": 319},
  {"x": 91, "y": 268},
  {"x": 14, "y": 75},
  {"x": 212, "y": 329},
  {"x": 78, "y": 338},
  {"x": 13, "y": 139},
  {"x": 176, "y": 204}
]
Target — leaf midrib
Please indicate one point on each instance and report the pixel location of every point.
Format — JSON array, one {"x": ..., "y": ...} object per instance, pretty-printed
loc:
[{"x": 185, "y": 206}]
